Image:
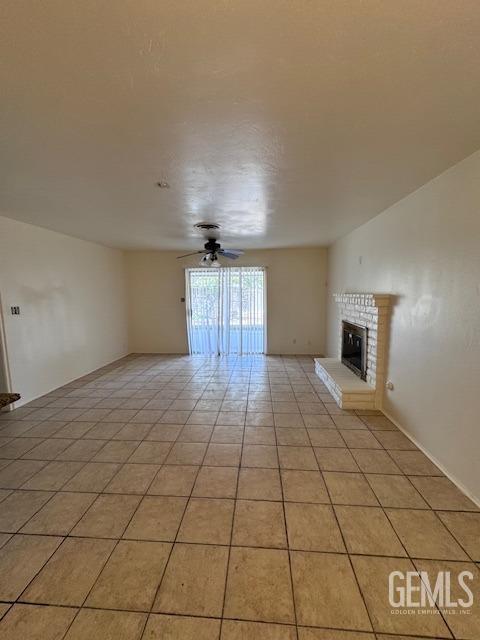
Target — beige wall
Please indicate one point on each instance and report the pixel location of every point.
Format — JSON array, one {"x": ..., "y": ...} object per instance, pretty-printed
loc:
[
  {"x": 426, "y": 251},
  {"x": 295, "y": 299},
  {"x": 73, "y": 306}
]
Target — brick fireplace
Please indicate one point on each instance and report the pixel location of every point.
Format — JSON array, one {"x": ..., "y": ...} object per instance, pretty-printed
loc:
[{"x": 370, "y": 312}]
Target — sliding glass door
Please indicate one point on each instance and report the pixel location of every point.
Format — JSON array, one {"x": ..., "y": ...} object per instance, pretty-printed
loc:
[{"x": 226, "y": 310}]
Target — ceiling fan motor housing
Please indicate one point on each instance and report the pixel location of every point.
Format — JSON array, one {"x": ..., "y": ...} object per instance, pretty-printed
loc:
[{"x": 212, "y": 245}]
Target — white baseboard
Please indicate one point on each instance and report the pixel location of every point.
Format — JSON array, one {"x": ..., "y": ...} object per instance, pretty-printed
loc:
[
  {"x": 442, "y": 468},
  {"x": 22, "y": 402}
]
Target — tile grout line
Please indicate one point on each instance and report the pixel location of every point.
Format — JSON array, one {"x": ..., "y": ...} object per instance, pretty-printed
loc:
[
  {"x": 227, "y": 571},
  {"x": 351, "y": 563},
  {"x": 294, "y": 604},
  {"x": 173, "y": 543}
]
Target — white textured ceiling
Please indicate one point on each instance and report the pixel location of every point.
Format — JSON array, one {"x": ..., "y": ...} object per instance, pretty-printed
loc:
[{"x": 287, "y": 122}]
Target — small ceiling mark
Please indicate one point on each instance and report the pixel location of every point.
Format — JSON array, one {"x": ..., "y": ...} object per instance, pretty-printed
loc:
[{"x": 163, "y": 184}]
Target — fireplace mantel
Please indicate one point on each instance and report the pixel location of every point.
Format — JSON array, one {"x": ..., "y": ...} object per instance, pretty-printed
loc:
[
  {"x": 372, "y": 311},
  {"x": 364, "y": 299}
]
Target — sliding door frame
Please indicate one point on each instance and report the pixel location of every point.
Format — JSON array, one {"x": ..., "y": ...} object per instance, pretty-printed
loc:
[
  {"x": 265, "y": 299},
  {"x": 265, "y": 311}
]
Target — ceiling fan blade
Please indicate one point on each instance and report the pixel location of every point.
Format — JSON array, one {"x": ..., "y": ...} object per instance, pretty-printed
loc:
[
  {"x": 239, "y": 251},
  {"x": 191, "y": 254},
  {"x": 233, "y": 254}
]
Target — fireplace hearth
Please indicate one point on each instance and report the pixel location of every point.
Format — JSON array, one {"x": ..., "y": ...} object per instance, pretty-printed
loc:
[{"x": 354, "y": 348}]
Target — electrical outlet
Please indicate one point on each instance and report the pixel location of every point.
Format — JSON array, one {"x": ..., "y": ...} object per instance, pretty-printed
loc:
[{"x": 15, "y": 311}]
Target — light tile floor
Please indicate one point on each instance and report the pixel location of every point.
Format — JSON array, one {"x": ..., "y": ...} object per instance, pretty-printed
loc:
[{"x": 168, "y": 497}]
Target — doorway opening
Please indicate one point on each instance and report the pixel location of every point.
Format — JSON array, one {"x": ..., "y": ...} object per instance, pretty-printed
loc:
[{"x": 226, "y": 310}]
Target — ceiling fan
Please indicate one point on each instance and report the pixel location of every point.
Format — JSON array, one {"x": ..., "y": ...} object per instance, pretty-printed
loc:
[{"x": 212, "y": 249}]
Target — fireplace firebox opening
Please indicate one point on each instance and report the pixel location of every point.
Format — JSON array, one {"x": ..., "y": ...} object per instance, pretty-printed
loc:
[{"x": 354, "y": 348}]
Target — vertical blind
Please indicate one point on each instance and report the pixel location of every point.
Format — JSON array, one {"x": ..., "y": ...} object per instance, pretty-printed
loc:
[{"x": 225, "y": 310}]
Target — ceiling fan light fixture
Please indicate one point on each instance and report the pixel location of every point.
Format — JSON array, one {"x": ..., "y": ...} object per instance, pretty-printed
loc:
[{"x": 210, "y": 260}]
